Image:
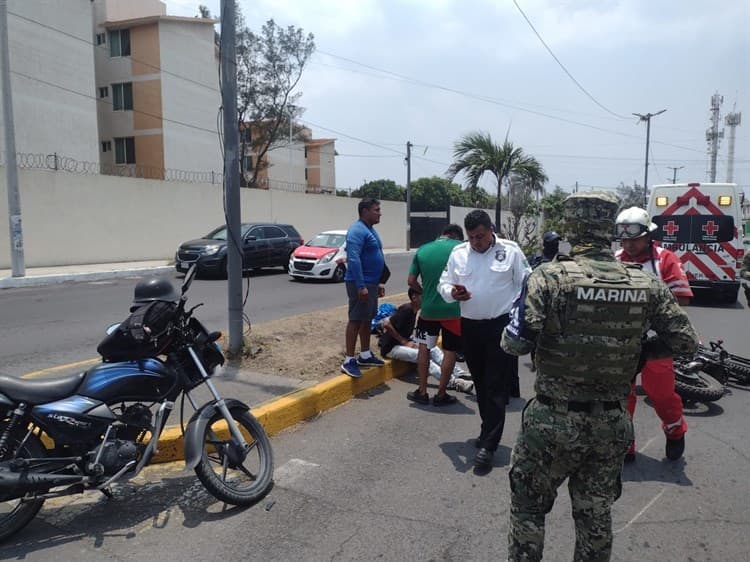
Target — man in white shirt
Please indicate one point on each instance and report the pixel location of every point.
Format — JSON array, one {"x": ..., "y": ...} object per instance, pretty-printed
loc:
[{"x": 484, "y": 275}]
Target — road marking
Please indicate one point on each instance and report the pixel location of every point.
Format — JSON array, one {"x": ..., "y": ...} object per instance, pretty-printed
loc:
[
  {"x": 291, "y": 470},
  {"x": 647, "y": 444},
  {"x": 60, "y": 368},
  {"x": 642, "y": 511}
]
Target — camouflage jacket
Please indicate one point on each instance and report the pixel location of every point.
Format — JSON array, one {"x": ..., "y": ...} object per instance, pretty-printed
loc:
[{"x": 592, "y": 362}]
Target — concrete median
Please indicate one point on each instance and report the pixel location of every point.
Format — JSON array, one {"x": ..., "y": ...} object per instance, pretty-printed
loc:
[{"x": 299, "y": 405}]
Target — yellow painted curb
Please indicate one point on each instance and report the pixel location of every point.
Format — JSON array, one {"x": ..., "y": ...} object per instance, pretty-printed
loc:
[{"x": 305, "y": 403}]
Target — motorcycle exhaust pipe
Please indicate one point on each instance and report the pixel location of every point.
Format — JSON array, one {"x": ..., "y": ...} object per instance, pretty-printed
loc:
[{"x": 17, "y": 484}]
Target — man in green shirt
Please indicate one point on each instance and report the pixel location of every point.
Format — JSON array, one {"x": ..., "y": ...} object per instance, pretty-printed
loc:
[{"x": 437, "y": 316}]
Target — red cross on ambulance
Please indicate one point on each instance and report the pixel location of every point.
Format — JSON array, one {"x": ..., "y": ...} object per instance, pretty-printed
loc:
[
  {"x": 670, "y": 228},
  {"x": 710, "y": 228}
]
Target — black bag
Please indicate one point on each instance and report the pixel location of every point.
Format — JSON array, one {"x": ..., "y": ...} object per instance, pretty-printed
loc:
[{"x": 142, "y": 334}]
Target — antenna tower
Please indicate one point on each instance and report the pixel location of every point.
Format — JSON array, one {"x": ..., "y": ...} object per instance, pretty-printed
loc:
[
  {"x": 713, "y": 134},
  {"x": 731, "y": 120}
]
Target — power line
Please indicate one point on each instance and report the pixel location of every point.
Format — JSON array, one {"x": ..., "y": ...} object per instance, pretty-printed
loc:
[
  {"x": 592, "y": 98},
  {"x": 493, "y": 101},
  {"x": 101, "y": 100}
]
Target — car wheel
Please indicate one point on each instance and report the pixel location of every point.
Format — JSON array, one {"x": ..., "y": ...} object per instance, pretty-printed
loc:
[{"x": 338, "y": 273}]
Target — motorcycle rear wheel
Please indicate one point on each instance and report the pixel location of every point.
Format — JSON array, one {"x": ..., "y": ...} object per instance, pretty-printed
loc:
[
  {"x": 246, "y": 483},
  {"x": 738, "y": 370},
  {"x": 697, "y": 386},
  {"x": 14, "y": 513}
]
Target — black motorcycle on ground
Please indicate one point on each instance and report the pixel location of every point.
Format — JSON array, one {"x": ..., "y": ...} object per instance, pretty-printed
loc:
[
  {"x": 702, "y": 377},
  {"x": 91, "y": 430}
]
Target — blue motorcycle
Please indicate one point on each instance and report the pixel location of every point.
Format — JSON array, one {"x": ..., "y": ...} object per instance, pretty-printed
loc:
[{"x": 91, "y": 430}]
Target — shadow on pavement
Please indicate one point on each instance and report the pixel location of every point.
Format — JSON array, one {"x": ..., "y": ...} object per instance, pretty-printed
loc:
[
  {"x": 461, "y": 454},
  {"x": 154, "y": 505},
  {"x": 647, "y": 469}
]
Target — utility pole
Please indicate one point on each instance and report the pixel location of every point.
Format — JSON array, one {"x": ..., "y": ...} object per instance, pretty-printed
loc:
[
  {"x": 18, "y": 266},
  {"x": 408, "y": 195},
  {"x": 731, "y": 120},
  {"x": 713, "y": 135},
  {"x": 290, "y": 148},
  {"x": 231, "y": 178},
  {"x": 647, "y": 119},
  {"x": 674, "y": 174}
]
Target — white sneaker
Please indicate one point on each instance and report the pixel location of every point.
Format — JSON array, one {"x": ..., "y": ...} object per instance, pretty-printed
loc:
[
  {"x": 462, "y": 374},
  {"x": 463, "y": 385}
]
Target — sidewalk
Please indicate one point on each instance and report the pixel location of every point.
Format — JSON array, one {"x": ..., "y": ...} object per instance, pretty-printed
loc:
[
  {"x": 278, "y": 402},
  {"x": 38, "y": 276}
]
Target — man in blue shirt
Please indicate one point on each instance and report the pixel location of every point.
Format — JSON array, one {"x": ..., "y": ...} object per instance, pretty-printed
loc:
[{"x": 365, "y": 265}]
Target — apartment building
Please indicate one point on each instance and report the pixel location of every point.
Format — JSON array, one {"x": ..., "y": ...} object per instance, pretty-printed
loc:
[
  {"x": 52, "y": 78},
  {"x": 157, "y": 89},
  {"x": 296, "y": 163}
]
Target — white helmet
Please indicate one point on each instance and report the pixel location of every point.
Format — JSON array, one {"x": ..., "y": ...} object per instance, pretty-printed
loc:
[{"x": 633, "y": 222}]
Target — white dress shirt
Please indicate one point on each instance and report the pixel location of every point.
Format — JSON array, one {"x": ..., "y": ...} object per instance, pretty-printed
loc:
[{"x": 493, "y": 278}]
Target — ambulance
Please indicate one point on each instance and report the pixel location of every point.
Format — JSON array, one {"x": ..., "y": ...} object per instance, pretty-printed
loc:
[{"x": 702, "y": 224}]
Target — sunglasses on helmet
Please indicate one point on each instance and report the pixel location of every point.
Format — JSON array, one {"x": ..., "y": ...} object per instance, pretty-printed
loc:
[{"x": 629, "y": 230}]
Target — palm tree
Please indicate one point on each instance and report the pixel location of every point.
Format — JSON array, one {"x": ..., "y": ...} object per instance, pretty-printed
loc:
[{"x": 475, "y": 154}]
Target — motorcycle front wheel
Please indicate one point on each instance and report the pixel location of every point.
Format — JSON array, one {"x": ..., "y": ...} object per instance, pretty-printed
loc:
[
  {"x": 697, "y": 386},
  {"x": 229, "y": 479}
]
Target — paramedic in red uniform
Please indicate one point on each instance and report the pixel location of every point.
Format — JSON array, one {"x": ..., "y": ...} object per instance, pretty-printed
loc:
[{"x": 633, "y": 228}]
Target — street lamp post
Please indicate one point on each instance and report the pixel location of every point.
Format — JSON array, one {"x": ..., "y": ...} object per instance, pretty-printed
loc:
[{"x": 647, "y": 119}]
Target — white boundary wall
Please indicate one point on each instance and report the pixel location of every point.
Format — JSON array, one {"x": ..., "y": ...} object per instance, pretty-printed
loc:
[{"x": 71, "y": 219}]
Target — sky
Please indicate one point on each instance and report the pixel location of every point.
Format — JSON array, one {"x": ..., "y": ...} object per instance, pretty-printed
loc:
[{"x": 430, "y": 71}]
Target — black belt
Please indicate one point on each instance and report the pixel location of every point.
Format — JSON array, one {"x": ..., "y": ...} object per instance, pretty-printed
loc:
[{"x": 586, "y": 407}]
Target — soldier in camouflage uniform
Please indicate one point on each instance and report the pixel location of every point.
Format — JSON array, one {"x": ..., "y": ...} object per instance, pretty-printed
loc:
[{"x": 586, "y": 315}]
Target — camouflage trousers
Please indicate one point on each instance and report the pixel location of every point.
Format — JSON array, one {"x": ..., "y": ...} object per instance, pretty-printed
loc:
[{"x": 588, "y": 450}]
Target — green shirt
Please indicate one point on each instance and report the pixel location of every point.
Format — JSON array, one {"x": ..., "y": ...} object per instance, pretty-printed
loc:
[{"x": 429, "y": 263}]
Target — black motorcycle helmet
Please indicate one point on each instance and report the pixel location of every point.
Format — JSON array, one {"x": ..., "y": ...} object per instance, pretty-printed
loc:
[
  {"x": 550, "y": 237},
  {"x": 154, "y": 289}
]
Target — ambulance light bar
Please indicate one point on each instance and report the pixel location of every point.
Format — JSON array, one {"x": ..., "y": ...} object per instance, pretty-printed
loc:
[
  {"x": 725, "y": 200},
  {"x": 662, "y": 201}
]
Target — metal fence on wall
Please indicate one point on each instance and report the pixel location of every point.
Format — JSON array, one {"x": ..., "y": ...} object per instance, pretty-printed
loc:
[{"x": 57, "y": 162}]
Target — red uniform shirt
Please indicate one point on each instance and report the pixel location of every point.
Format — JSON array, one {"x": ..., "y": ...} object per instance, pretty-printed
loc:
[{"x": 668, "y": 269}]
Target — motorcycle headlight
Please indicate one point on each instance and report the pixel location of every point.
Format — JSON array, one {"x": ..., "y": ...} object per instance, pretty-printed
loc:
[
  {"x": 328, "y": 257},
  {"x": 211, "y": 250}
]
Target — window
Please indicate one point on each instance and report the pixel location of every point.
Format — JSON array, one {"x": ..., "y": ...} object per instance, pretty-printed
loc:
[
  {"x": 305, "y": 174},
  {"x": 256, "y": 232},
  {"x": 273, "y": 232},
  {"x": 119, "y": 43},
  {"x": 106, "y": 146},
  {"x": 245, "y": 135},
  {"x": 247, "y": 163},
  {"x": 122, "y": 96},
  {"x": 125, "y": 150},
  {"x": 305, "y": 152},
  {"x": 101, "y": 38},
  {"x": 103, "y": 92}
]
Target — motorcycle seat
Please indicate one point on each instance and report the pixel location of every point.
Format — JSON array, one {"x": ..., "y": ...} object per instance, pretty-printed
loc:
[{"x": 39, "y": 391}]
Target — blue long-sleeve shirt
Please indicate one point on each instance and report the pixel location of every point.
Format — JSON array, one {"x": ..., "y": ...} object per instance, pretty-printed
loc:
[{"x": 364, "y": 255}]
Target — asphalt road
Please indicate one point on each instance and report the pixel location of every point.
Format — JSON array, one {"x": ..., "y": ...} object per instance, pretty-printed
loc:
[
  {"x": 381, "y": 478},
  {"x": 48, "y": 326}
]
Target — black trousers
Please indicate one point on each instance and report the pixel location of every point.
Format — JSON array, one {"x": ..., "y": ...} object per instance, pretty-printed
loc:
[{"x": 490, "y": 370}]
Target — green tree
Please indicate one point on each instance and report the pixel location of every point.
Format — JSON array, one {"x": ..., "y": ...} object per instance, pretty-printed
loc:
[
  {"x": 386, "y": 190},
  {"x": 269, "y": 67},
  {"x": 551, "y": 206},
  {"x": 476, "y": 154},
  {"x": 630, "y": 196},
  {"x": 431, "y": 194},
  {"x": 524, "y": 190}
]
